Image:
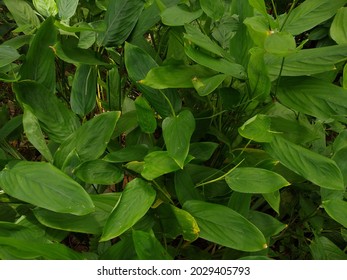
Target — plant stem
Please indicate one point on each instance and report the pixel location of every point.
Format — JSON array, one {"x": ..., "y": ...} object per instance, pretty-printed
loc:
[
  {"x": 219, "y": 178},
  {"x": 289, "y": 12}
]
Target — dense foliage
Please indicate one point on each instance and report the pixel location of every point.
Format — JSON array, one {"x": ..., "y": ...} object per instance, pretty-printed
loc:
[{"x": 173, "y": 129}]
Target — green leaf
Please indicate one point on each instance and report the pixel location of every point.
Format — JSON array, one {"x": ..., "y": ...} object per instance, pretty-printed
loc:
[
  {"x": 340, "y": 158},
  {"x": 259, "y": 5},
  {"x": 135, "y": 201},
  {"x": 174, "y": 76},
  {"x": 185, "y": 188},
  {"x": 306, "y": 61},
  {"x": 274, "y": 200},
  {"x": 83, "y": 93},
  {"x": 338, "y": 29},
  {"x": 92, "y": 223},
  {"x": 34, "y": 133},
  {"x": 129, "y": 153},
  {"x": 324, "y": 249},
  {"x": 10, "y": 126},
  {"x": 121, "y": 17},
  {"x": 23, "y": 14},
  {"x": 214, "y": 9},
  {"x": 122, "y": 250},
  {"x": 67, "y": 8},
  {"x": 179, "y": 15},
  {"x": 205, "y": 86},
  {"x": 194, "y": 35},
  {"x": 313, "y": 97},
  {"x": 255, "y": 180},
  {"x": 224, "y": 226},
  {"x": 46, "y": 7},
  {"x": 268, "y": 225},
  {"x": 344, "y": 80},
  {"x": 175, "y": 222},
  {"x": 145, "y": 115},
  {"x": 316, "y": 168},
  {"x": 70, "y": 52},
  {"x": 138, "y": 64},
  {"x": 99, "y": 172},
  {"x": 280, "y": 43},
  {"x": 147, "y": 247},
  {"x": 8, "y": 54},
  {"x": 311, "y": 13},
  {"x": 39, "y": 64},
  {"x": 257, "y": 128},
  {"x": 90, "y": 140},
  {"x": 158, "y": 163},
  {"x": 38, "y": 249},
  {"x": 55, "y": 118},
  {"x": 217, "y": 64},
  {"x": 336, "y": 209},
  {"x": 177, "y": 132},
  {"x": 44, "y": 185},
  {"x": 258, "y": 79},
  {"x": 202, "y": 151}
]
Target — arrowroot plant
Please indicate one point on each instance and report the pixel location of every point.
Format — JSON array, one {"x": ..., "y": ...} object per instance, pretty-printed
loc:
[{"x": 168, "y": 129}]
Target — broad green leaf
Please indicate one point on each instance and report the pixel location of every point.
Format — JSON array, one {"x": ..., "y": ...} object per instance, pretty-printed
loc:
[
  {"x": 97, "y": 26},
  {"x": 46, "y": 7},
  {"x": 83, "y": 92},
  {"x": 39, "y": 64},
  {"x": 324, "y": 249},
  {"x": 240, "y": 202},
  {"x": 92, "y": 223},
  {"x": 258, "y": 79},
  {"x": 185, "y": 188},
  {"x": 224, "y": 226},
  {"x": 280, "y": 43},
  {"x": 90, "y": 140},
  {"x": 217, "y": 64},
  {"x": 259, "y": 5},
  {"x": 338, "y": 29},
  {"x": 274, "y": 200},
  {"x": 255, "y": 180},
  {"x": 43, "y": 185},
  {"x": 145, "y": 115},
  {"x": 316, "y": 168},
  {"x": 268, "y": 225},
  {"x": 195, "y": 36},
  {"x": 307, "y": 61},
  {"x": 121, "y": 17},
  {"x": 99, "y": 172},
  {"x": 10, "y": 126},
  {"x": 23, "y": 14},
  {"x": 174, "y": 76},
  {"x": 175, "y": 222},
  {"x": 138, "y": 64},
  {"x": 214, "y": 9},
  {"x": 129, "y": 153},
  {"x": 177, "y": 132},
  {"x": 55, "y": 118},
  {"x": 147, "y": 247},
  {"x": 313, "y": 97},
  {"x": 202, "y": 151},
  {"x": 41, "y": 250},
  {"x": 34, "y": 133},
  {"x": 136, "y": 199},
  {"x": 179, "y": 15},
  {"x": 259, "y": 29},
  {"x": 336, "y": 209},
  {"x": 344, "y": 78},
  {"x": 18, "y": 41},
  {"x": 311, "y": 13},
  {"x": 122, "y": 250},
  {"x": 340, "y": 158},
  {"x": 205, "y": 86},
  {"x": 8, "y": 54},
  {"x": 127, "y": 123},
  {"x": 257, "y": 128},
  {"x": 67, "y": 8},
  {"x": 114, "y": 89},
  {"x": 158, "y": 163},
  {"x": 70, "y": 52}
]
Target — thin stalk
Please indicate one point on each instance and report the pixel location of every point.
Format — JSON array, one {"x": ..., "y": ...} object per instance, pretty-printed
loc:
[
  {"x": 279, "y": 77},
  {"x": 289, "y": 12},
  {"x": 169, "y": 102},
  {"x": 219, "y": 178}
]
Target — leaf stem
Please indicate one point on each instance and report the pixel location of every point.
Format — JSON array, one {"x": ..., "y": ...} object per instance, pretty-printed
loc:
[
  {"x": 221, "y": 177},
  {"x": 169, "y": 102}
]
